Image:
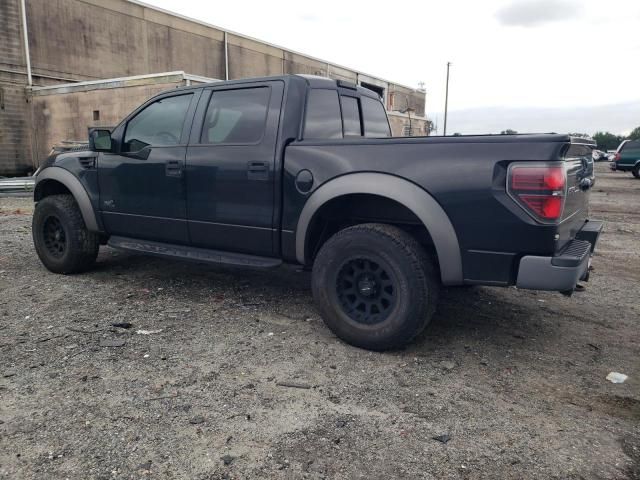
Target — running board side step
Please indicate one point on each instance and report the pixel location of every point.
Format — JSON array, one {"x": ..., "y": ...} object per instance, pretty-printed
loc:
[{"x": 194, "y": 254}]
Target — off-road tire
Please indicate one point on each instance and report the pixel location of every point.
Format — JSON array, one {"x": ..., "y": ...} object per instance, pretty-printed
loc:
[
  {"x": 406, "y": 265},
  {"x": 71, "y": 248},
  {"x": 636, "y": 171}
]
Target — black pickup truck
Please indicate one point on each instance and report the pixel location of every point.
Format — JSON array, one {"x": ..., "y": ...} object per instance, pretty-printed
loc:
[{"x": 302, "y": 169}]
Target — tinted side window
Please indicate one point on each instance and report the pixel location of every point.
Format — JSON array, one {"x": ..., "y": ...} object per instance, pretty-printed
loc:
[
  {"x": 159, "y": 124},
  {"x": 577, "y": 150},
  {"x": 631, "y": 147},
  {"x": 375, "y": 118},
  {"x": 236, "y": 116},
  {"x": 350, "y": 116},
  {"x": 323, "y": 115}
]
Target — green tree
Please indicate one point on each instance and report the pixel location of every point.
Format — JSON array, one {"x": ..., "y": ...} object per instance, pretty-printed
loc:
[
  {"x": 635, "y": 134},
  {"x": 607, "y": 140},
  {"x": 508, "y": 131}
]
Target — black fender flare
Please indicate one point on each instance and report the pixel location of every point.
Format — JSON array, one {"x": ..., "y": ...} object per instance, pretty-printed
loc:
[
  {"x": 66, "y": 178},
  {"x": 420, "y": 202}
]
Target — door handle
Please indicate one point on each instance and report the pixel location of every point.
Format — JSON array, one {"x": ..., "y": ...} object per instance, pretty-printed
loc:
[
  {"x": 257, "y": 170},
  {"x": 173, "y": 168}
]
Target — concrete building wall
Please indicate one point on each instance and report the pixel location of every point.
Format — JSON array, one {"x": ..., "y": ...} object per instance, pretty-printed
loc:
[
  {"x": 79, "y": 40},
  {"x": 15, "y": 152},
  {"x": 66, "y": 115}
]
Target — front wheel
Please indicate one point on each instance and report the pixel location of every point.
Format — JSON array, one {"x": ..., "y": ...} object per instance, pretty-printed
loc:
[
  {"x": 60, "y": 235},
  {"x": 375, "y": 286},
  {"x": 636, "y": 171}
]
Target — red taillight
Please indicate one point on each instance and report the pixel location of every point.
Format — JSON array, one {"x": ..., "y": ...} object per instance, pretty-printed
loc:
[
  {"x": 616, "y": 157},
  {"x": 538, "y": 189},
  {"x": 546, "y": 207},
  {"x": 537, "y": 178}
]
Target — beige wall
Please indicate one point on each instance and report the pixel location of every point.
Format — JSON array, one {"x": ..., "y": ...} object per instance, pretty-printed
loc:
[{"x": 66, "y": 116}]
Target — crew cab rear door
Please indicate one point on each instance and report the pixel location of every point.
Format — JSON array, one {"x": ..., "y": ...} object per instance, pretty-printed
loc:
[{"x": 231, "y": 166}]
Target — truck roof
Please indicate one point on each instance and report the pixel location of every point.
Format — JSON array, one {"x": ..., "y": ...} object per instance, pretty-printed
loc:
[{"x": 313, "y": 81}]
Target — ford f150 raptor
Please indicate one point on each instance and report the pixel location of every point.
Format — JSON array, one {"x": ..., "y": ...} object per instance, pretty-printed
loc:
[{"x": 304, "y": 170}]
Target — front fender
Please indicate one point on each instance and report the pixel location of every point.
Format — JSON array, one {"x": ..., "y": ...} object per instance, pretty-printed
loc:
[
  {"x": 423, "y": 205},
  {"x": 72, "y": 183}
]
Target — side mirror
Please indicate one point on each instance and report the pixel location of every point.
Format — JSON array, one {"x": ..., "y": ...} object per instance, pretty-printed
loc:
[{"x": 100, "y": 140}]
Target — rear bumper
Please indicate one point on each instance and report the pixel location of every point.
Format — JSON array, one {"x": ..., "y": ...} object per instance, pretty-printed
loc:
[{"x": 564, "y": 270}]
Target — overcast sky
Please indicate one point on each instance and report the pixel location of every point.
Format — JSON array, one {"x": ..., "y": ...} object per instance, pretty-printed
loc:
[{"x": 516, "y": 63}]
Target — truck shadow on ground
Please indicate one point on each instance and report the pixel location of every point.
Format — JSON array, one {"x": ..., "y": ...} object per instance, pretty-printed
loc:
[{"x": 465, "y": 315}]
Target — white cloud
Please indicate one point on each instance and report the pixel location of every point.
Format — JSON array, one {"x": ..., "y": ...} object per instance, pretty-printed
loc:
[{"x": 530, "y": 13}]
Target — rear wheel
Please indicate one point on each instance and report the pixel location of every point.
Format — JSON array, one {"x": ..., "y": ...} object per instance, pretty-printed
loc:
[
  {"x": 60, "y": 236},
  {"x": 636, "y": 171},
  {"x": 375, "y": 286}
]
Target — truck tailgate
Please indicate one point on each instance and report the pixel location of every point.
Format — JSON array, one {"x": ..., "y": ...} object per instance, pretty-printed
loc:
[{"x": 580, "y": 179}]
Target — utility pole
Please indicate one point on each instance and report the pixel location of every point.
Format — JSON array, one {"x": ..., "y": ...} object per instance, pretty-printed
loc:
[{"x": 446, "y": 100}]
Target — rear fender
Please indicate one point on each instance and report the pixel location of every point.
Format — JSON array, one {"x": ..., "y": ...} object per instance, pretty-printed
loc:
[{"x": 421, "y": 203}]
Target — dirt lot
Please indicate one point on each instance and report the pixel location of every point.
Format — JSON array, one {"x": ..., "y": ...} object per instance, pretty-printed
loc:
[{"x": 516, "y": 379}]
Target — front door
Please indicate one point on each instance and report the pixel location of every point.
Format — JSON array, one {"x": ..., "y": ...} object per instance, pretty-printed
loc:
[
  {"x": 231, "y": 168},
  {"x": 142, "y": 187}
]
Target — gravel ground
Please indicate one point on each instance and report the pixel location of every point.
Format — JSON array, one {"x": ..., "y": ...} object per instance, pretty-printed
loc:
[{"x": 239, "y": 378}]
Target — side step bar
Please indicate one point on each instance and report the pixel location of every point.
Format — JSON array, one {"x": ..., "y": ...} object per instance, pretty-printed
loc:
[{"x": 194, "y": 254}]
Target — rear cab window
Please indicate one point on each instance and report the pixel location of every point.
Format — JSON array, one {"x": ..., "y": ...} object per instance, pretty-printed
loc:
[
  {"x": 351, "y": 116},
  {"x": 376, "y": 123},
  {"x": 330, "y": 115}
]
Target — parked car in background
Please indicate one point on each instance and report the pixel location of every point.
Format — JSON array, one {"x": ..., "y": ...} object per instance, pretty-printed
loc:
[
  {"x": 627, "y": 158},
  {"x": 598, "y": 156}
]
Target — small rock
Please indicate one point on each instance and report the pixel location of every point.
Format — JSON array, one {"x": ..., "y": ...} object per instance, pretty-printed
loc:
[
  {"x": 146, "y": 465},
  {"x": 442, "y": 438},
  {"x": 122, "y": 325},
  {"x": 9, "y": 374},
  {"x": 447, "y": 365},
  {"x": 227, "y": 459},
  {"x": 615, "y": 377},
  {"x": 197, "y": 420},
  {"x": 112, "y": 342}
]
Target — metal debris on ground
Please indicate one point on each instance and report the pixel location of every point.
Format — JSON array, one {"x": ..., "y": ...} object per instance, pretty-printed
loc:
[
  {"x": 305, "y": 386},
  {"x": 148, "y": 332},
  {"x": 442, "y": 438}
]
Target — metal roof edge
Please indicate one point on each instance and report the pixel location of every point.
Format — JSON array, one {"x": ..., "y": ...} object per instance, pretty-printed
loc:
[{"x": 116, "y": 82}]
